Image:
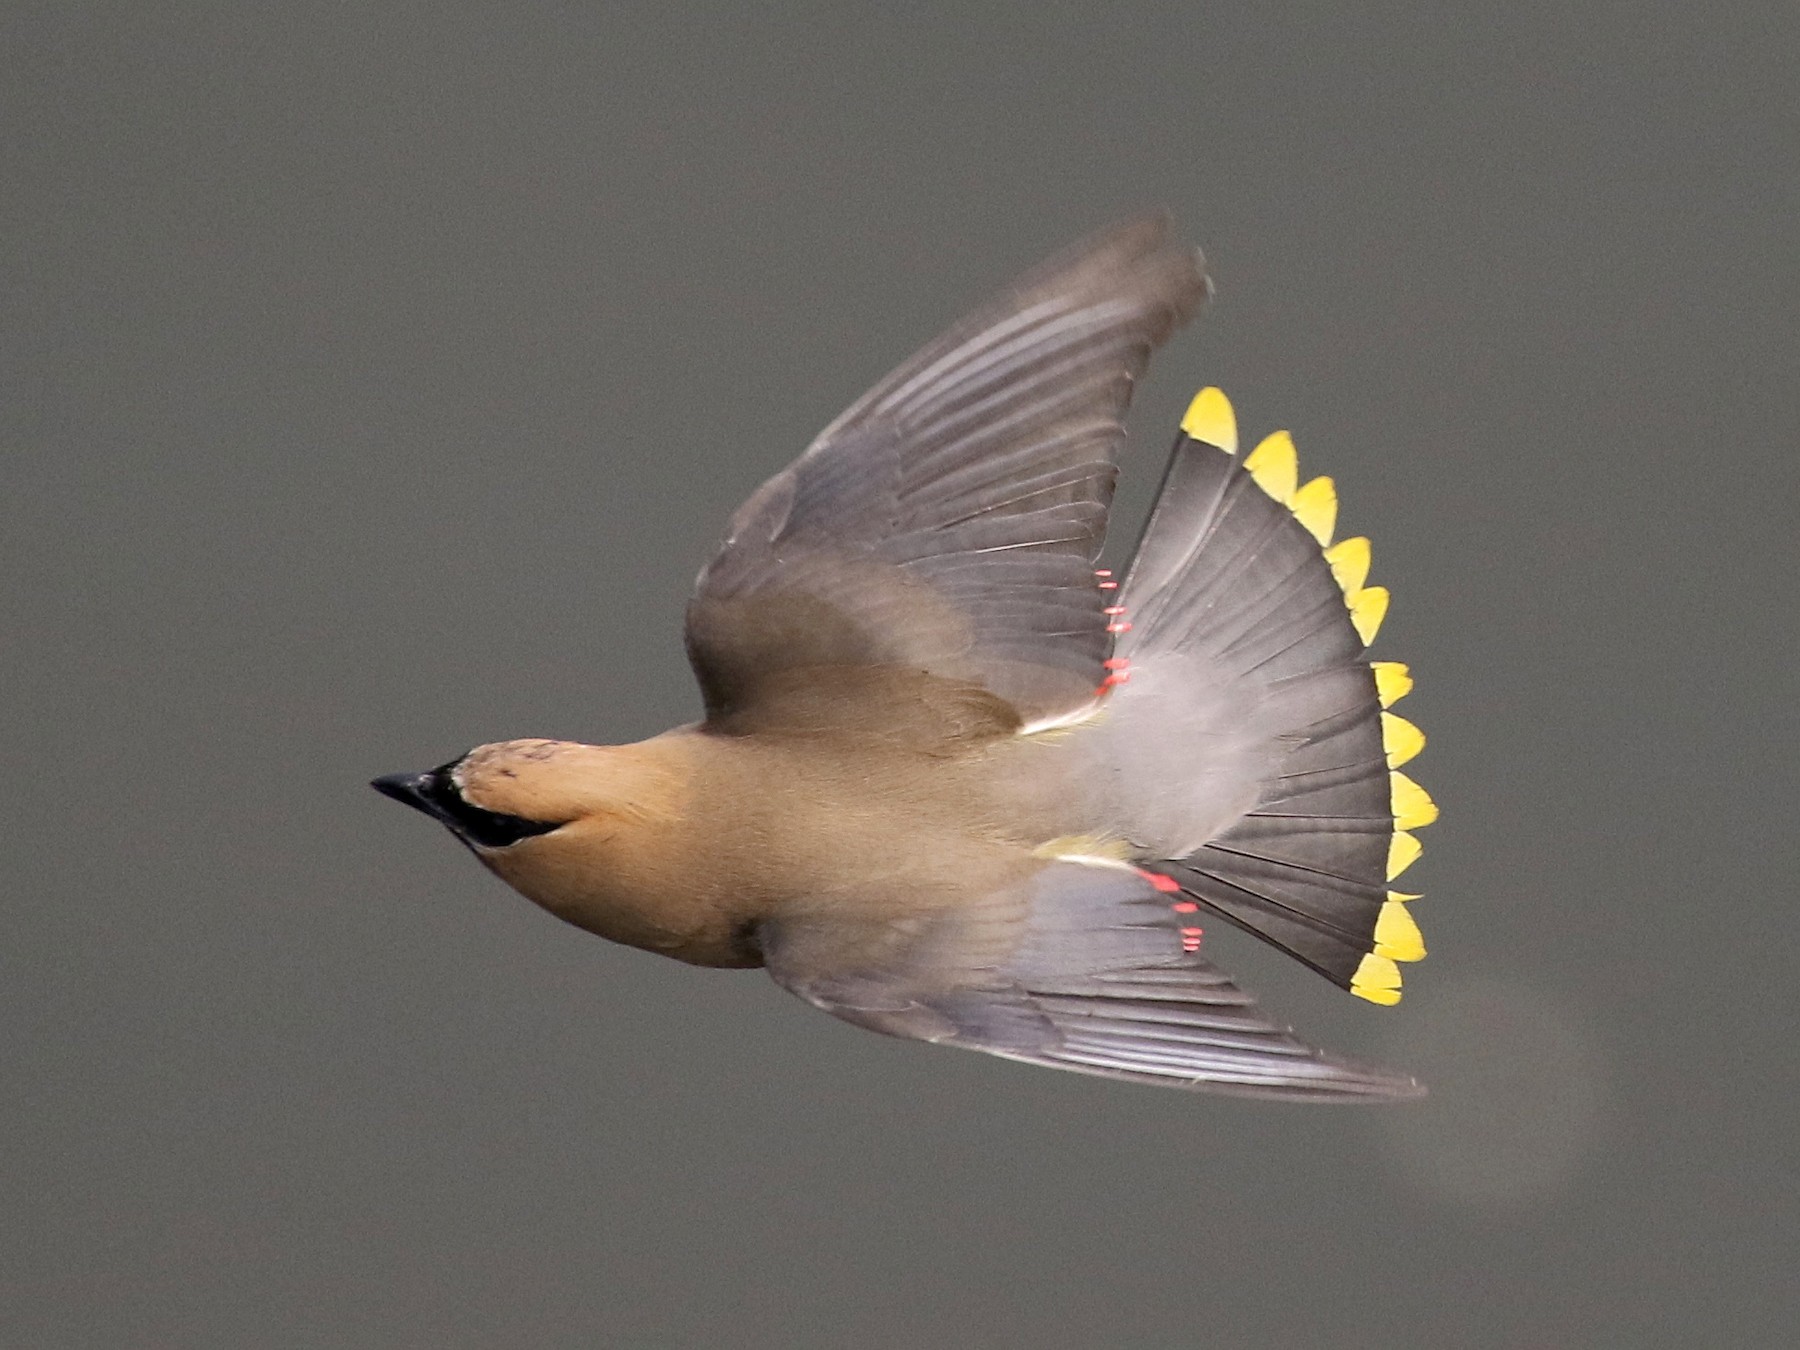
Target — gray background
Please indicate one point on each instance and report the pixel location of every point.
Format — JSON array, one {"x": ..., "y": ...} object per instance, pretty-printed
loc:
[{"x": 375, "y": 379}]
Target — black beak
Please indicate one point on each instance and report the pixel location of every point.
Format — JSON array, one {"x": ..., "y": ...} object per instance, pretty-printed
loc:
[
  {"x": 412, "y": 788},
  {"x": 436, "y": 794}
]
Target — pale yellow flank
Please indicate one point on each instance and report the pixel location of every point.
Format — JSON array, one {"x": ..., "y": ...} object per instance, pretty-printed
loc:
[
  {"x": 1084, "y": 848},
  {"x": 1275, "y": 466},
  {"x": 1315, "y": 506},
  {"x": 1209, "y": 418},
  {"x": 1393, "y": 681}
]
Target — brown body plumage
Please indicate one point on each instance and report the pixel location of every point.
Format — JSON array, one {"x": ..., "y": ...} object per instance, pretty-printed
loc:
[
  {"x": 685, "y": 843},
  {"x": 954, "y": 783}
]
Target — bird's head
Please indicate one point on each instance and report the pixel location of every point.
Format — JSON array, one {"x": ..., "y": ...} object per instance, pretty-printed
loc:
[
  {"x": 522, "y": 806},
  {"x": 496, "y": 796},
  {"x": 599, "y": 835}
]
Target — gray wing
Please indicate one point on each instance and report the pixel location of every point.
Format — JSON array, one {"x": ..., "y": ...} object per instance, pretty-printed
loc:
[
  {"x": 1092, "y": 969},
  {"x": 949, "y": 521}
]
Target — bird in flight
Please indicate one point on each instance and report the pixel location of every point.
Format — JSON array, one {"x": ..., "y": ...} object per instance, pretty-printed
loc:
[{"x": 957, "y": 782}]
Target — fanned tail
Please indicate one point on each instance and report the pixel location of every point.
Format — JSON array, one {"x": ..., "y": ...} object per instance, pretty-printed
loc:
[{"x": 1251, "y": 756}]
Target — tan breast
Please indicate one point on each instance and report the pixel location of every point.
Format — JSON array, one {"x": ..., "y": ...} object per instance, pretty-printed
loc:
[{"x": 725, "y": 831}]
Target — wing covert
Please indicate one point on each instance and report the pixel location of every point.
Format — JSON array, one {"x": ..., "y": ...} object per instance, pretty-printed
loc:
[{"x": 948, "y": 522}]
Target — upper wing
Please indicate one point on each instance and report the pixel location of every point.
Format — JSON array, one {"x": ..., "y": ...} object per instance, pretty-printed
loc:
[
  {"x": 948, "y": 522},
  {"x": 1076, "y": 967}
]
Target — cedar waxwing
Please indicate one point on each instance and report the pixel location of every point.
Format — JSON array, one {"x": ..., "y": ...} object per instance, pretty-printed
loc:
[{"x": 953, "y": 782}]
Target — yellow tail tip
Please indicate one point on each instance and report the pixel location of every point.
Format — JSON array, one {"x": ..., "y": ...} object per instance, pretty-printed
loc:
[
  {"x": 1349, "y": 562},
  {"x": 1377, "y": 979},
  {"x": 1397, "y": 934},
  {"x": 1275, "y": 465},
  {"x": 1412, "y": 804},
  {"x": 1368, "y": 607},
  {"x": 1403, "y": 851},
  {"x": 1315, "y": 506},
  {"x": 1209, "y": 418},
  {"x": 1400, "y": 738},
  {"x": 1393, "y": 681}
]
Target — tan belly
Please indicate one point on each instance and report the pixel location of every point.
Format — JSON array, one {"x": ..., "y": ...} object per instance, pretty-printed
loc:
[{"x": 771, "y": 825}]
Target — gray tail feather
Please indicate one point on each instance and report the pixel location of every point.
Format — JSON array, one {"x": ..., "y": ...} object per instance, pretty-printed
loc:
[{"x": 1258, "y": 724}]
